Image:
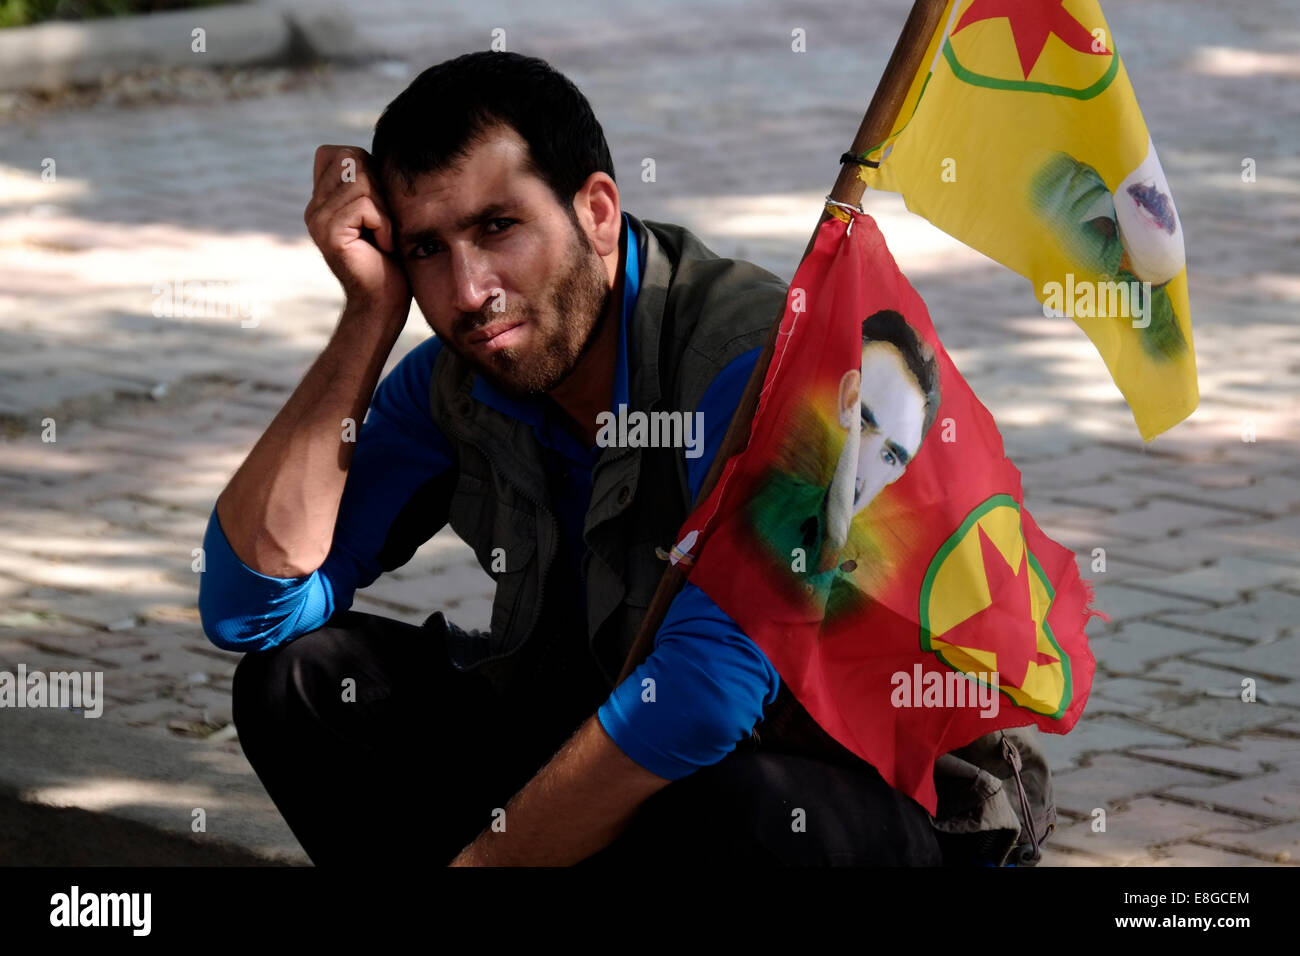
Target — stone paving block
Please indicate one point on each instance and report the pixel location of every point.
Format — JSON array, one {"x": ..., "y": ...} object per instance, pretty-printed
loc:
[
  {"x": 1273, "y": 796},
  {"x": 1226, "y": 683},
  {"x": 1225, "y": 579},
  {"x": 19, "y": 519},
  {"x": 1122, "y": 603},
  {"x": 1188, "y": 552},
  {"x": 1083, "y": 541},
  {"x": 1100, "y": 704},
  {"x": 1082, "y": 469},
  {"x": 1135, "y": 645},
  {"x": 460, "y": 582},
  {"x": 210, "y": 701},
  {"x": 1162, "y": 518},
  {"x": 54, "y": 521},
  {"x": 412, "y": 593},
  {"x": 109, "y": 611},
  {"x": 1270, "y": 494},
  {"x": 1241, "y": 757},
  {"x": 72, "y": 495},
  {"x": 1113, "y": 778},
  {"x": 1141, "y": 693},
  {"x": 65, "y": 573},
  {"x": 1275, "y": 540},
  {"x": 1103, "y": 733},
  {"x": 1072, "y": 858},
  {"x": 195, "y": 498},
  {"x": 1110, "y": 496},
  {"x": 122, "y": 547},
  {"x": 156, "y": 712},
  {"x": 1266, "y": 616},
  {"x": 1052, "y": 515},
  {"x": 1133, "y": 828},
  {"x": 124, "y": 688},
  {"x": 79, "y": 649},
  {"x": 1217, "y": 719},
  {"x": 46, "y": 390},
  {"x": 1108, "y": 848},
  {"x": 1190, "y": 854},
  {"x": 1278, "y": 659},
  {"x": 35, "y": 659},
  {"x": 168, "y": 523},
  {"x": 1279, "y": 844}
]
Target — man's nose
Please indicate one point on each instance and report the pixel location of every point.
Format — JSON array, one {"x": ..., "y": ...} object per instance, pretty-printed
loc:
[{"x": 473, "y": 284}]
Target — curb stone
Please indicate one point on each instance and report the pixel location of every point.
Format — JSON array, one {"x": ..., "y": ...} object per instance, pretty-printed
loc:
[{"x": 49, "y": 56}]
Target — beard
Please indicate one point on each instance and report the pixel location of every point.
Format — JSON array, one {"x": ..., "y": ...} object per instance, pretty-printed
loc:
[{"x": 564, "y": 328}]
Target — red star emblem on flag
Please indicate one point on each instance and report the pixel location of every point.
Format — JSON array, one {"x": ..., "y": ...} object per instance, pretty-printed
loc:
[
  {"x": 1032, "y": 22},
  {"x": 1007, "y": 626}
]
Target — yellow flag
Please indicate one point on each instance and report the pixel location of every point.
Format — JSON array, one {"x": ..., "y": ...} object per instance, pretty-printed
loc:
[{"x": 1021, "y": 137}]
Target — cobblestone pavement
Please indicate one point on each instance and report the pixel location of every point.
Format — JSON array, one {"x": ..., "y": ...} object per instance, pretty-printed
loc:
[{"x": 1200, "y": 529}]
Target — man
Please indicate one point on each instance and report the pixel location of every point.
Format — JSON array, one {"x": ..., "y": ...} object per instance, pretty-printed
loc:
[
  {"x": 885, "y": 407},
  {"x": 490, "y": 198}
]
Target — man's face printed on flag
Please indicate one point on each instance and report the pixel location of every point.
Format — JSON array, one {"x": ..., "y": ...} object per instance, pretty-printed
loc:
[{"x": 885, "y": 402}]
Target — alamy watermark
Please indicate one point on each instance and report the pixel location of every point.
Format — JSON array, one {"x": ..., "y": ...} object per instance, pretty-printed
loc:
[
  {"x": 651, "y": 430},
  {"x": 947, "y": 689},
  {"x": 1098, "y": 300},
  {"x": 68, "y": 690},
  {"x": 75, "y": 908},
  {"x": 192, "y": 299}
]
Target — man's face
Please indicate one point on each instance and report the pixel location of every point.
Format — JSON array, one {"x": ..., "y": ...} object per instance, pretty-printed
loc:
[
  {"x": 891, "y": 412},
  {"x": 502, "y": 274}
]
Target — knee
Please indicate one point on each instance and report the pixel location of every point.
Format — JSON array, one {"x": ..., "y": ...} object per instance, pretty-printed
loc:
[{"x": 272, "y": 689}]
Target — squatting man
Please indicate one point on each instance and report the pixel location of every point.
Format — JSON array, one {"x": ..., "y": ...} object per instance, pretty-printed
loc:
[{"x": 488, "y": 197}]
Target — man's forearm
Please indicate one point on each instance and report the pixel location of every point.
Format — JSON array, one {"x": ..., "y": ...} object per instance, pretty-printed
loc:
[
  {"x": 279, "y": 509},
  {"x": 575, "y": 806}
]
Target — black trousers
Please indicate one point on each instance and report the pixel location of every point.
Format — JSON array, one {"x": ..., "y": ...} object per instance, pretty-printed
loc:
[{"x": 375, "y": 748}]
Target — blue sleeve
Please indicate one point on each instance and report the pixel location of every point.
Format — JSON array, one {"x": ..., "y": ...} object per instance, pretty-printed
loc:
[
  {"x": 705, "y": 684},
  {"x": 398, "y": 450},
  {"x": 701, "y": 690}
]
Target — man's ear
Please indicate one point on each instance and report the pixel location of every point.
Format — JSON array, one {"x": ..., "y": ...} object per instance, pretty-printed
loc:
[
  {"x": 850, "y": 386},
  {"x": 599, "y": 214}
]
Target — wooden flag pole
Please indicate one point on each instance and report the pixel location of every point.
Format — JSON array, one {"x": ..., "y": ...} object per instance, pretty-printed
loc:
[{"x": 876, "y": 126}]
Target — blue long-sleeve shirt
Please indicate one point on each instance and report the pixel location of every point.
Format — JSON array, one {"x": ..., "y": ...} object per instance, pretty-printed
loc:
[{"x": 701, "y": 689}]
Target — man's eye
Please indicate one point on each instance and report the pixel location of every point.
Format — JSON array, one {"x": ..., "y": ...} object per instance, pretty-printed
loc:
[
  {"x": 422, "y": 250},
  {"x": 888, "y": 457},
  {"x": 508, "y": 224}
]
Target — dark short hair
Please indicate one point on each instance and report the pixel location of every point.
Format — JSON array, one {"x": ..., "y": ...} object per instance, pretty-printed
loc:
[
  {"x": 889, "y": 326},
  {"x": 435, "y": 121}
]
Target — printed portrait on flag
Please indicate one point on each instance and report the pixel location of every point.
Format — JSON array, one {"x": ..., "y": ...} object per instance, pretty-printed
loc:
[
  {"x": 1131, "y": 236},
  {"x": 835, "y": 460}
]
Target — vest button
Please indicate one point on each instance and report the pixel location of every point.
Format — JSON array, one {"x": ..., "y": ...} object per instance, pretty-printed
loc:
[{"x": 624, "y": 494}]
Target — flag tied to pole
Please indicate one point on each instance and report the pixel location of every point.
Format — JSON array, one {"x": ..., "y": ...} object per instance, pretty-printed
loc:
[
  {"x": 1020, "y": 135},
  {"x": 872, "y": 538}
]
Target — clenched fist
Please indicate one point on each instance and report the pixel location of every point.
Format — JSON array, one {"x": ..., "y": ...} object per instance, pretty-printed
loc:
[{"x": 346, "y": 199}]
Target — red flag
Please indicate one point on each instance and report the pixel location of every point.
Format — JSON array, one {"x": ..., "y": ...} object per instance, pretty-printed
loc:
[{"x": 872, "y": 539}]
